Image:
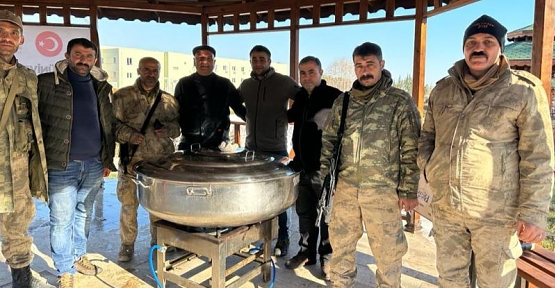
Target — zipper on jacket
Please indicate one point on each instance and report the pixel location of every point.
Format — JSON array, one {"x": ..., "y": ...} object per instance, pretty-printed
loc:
[{"x": 256, "y": 114}]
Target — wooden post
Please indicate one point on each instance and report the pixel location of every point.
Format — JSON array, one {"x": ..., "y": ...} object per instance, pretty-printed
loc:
[
  {"x": 204, "y": 28},
  {"x": 93, "y": 15},
  {"x": 542, "y": 46},
  {"x": 294, "y": 44},
  {"x": 420, "y": 26}
]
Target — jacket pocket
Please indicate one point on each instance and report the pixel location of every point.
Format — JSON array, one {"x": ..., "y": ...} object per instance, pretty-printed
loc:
[{"x": 24, "y": 135}]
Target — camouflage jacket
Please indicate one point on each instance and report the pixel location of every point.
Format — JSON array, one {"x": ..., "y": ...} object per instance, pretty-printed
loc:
[
  {"x": 22, "y": 137},
  {"x": 379, "y": 141},
  {"x": 490, "y": 154},
  {"x": 131, "y": 106},
  {"x": 56, "y": 114}
]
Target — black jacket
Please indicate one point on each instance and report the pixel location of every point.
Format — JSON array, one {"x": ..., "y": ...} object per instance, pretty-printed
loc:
[
  {"x": 307, "y": 139},
  {"x": 204, "y": 103}
]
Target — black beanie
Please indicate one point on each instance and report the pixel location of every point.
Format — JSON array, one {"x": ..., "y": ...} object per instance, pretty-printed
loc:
[{"x": 486, "y": 24}]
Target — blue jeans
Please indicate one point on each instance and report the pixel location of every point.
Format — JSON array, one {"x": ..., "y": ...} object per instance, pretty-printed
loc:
[{"x": 71, "y": 198}]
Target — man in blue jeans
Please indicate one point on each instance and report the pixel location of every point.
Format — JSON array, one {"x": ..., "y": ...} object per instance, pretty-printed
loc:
[
  {"x": 78, "y": 126},
  {"x": 266, "y": 94}
]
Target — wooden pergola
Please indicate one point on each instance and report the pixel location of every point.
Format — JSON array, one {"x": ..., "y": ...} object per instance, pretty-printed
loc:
[
  {"x": 232, "y": 16},
  {"x": 218, "y": 17}
]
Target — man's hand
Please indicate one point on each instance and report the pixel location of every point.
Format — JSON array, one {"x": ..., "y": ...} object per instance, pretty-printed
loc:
[
  {"x": 408, "y": 204},
  {"x": 529, "y": 233},
  {"x": 136, "y": 138},
  {"x": 106, "y": 172}
]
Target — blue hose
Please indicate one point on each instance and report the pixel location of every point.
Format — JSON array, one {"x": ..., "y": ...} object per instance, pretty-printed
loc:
[
  {"x": 254, "y": 251},
  {"x": 151, "y": 265}
]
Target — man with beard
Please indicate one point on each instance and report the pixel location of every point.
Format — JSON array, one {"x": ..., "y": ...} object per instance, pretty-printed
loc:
[
  {"x": 486, "y": 150},
  {"x": 78, "y": 124},
  {"x": 266, "y": 95},
  {"x": 204, "y": 99},
  {"x": 132, "y": 104},
  {"x": 23, "y": 170},
  {"x": 309, "y": 112},
  {"x": 378, "y": 175}
]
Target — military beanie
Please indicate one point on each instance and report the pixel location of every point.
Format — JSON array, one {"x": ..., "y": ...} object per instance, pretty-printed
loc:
[{"x": 486, "y": 24}]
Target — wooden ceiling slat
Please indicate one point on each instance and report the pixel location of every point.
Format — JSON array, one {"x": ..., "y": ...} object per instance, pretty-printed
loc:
[
  {"x": 338, "y": 12},
  {"x": 271, "y": 18},
  {"x": 253, "y": 20},
  {"x": 316, "y": 14},
  {"x": 389, "y": 8},
  {"x": 42, "y": 15},
  {"x": 363, "y": 10}
]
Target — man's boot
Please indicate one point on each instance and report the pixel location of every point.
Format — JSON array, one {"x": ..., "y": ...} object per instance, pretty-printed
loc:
[{"x": 23, "y": 278}]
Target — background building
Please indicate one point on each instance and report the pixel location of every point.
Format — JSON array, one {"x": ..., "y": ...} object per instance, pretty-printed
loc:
[{"x": 121, "y": 65}]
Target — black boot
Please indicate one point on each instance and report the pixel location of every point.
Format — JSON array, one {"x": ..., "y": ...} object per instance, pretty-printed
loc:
[{"x": 23, "y": 278}]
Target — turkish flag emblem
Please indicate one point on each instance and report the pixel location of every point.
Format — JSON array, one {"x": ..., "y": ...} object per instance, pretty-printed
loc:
[{"x": 48, "y": 43}]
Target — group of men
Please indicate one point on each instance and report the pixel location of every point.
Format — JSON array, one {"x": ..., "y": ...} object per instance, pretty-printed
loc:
[{"x": 485, "y": 148}]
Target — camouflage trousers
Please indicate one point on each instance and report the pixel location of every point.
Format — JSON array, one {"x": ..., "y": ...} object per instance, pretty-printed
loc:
[
  {"x": 14, "y": 227},
  {"x": 379, "y": 211},
  {"x": 127, "y": 196},
  {"x": 493, "y": 241}
]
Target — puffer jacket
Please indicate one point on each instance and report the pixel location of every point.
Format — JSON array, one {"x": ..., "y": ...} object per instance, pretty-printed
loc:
[
  {"x": 56, "y": 114},
  {"x": 132, "y": 105},
  {"x": 379, "y": 145},
  {"x": 27, "y": 138},
  {"x": 489, "y": 155},
  {"x": 267, "y": 100}
]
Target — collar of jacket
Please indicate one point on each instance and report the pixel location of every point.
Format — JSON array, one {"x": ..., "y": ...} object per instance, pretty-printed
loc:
[
  {"x": 60, "y": 72},
  {"x": 504, "y": 76},
  {"x": 363, "y": 94},
  {"x": 316, "y": 90},
  {"x": 271, "y": 71}
]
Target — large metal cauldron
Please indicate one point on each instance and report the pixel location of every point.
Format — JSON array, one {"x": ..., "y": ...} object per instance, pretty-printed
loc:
[{"x": 213, "y": 189}]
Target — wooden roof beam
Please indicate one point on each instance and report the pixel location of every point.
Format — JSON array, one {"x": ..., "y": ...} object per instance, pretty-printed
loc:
[
  {"x": 120, "y": 4},
  {"x": 452, "y": 5}
]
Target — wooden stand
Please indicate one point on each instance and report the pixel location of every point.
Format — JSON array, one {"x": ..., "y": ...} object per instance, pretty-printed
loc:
[{"x": 217, "y": 248}]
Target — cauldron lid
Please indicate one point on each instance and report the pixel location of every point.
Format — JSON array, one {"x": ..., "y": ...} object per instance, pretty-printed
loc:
[{"x": 207, "y": 166}]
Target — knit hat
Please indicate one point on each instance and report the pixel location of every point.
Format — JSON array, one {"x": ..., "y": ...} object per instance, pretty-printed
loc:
[
  {"x": 9, "y": 16},
  {"x": 486, "y": 24}
]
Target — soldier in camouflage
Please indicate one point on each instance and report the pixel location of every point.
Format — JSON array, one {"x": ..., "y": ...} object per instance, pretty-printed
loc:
[
  {"x": 378, "y": 175},
  {"x": 486, "y": 150},
  {"x": 23, "y": 172},
  {"x": 132, "y": 105}
]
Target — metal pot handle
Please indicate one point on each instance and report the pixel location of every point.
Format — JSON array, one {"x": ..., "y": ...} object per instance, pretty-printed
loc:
[
  {"x": 140, "y": 183},
  {"x": 251, "y": 156}
]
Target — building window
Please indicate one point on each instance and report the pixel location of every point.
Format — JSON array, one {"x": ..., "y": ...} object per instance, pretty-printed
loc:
[
  {"x": 114, "y": 60},
  {"x": 243, "y": 69},
  {"x": 175, "y": 68},
  {"x": 129, "y": 61},
  {"x": 225, "y": 67},
  {"x": 129, "y": 75}
]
